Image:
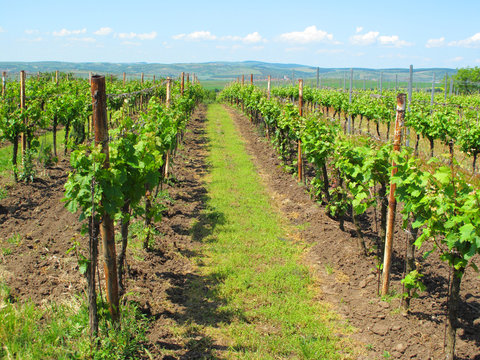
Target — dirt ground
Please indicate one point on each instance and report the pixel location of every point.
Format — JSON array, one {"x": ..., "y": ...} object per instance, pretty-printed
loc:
[{"x": 36, "y": 231}]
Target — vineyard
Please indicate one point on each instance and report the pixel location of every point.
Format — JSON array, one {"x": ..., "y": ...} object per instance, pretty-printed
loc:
[{"x": 384, "y": 196}]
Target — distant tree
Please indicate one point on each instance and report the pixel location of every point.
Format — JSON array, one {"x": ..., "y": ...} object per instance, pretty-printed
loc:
[{"x": 467, "y": 80}]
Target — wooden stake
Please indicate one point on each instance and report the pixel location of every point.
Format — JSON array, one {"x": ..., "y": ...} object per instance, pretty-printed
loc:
[
  {"x": 124, "y": 78},
  {"x": 4, "y": 82},
  {"x": 107, "y": 232},
  {"x": 251, "y": 79},
  {"x": 269, "y": 83},
  {"x": 182, "y": 83},
  {"x": 141, "y": 79},
  {"x": 243, "y": 80},
  {"x": 299, "y": 150},
  {"x": 167, "y": 100},
  {"x": 153, "y": 79},
  {"x": 392, "y": 203},
  {"x": 23, "y": 136}
]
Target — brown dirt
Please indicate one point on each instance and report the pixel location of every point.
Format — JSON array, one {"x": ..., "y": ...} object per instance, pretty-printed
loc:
[
  {"x": 349, "y": 280},
  {"x": 169, "y": 290}
]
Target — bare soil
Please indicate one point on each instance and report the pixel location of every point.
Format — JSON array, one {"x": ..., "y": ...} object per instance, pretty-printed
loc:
[{"x": 168, "y": 290}]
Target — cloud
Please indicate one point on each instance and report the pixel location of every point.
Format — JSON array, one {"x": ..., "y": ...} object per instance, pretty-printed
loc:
[
  {"x": 195, "y": 36},
  {"x": 309, "y": 35},
  {"x": 393, "y": 40},
  {"x": 130, "y": 43},
  {"x": 84, "y": 39},
  {"x": 65, "y": 32},
  {"x": 365, "y": 39},
  {"x": 103, "y": 31},
  {"x": 456, "y": 59},
  {"x": 252, "y": 38},
  {"x": 31, "y": 32},
  {"x": 432, "y": 43},
  {"x": 374, "y": 37},
  {"x": 145, "y": 36},
  {"x": 330, "y": 51},
  {"x": 1, "y": 30},
  {"x": 295, "y": 49},
  {"x": 359, "y": 29},
  {"x": 471, "y": 42}
]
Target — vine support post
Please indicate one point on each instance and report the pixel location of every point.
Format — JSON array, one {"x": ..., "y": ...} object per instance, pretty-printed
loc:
[
  {"x": 251, "y": 79},
  {"x": 269, "y": 84},
  {"x": 124, "y": 78},
  {"x": 299, "y": 150},
  {"x": 188, "y": 78},
  {"x": 410, "y": 88},
  {"x": 56, "y": 77},
  {"x": 169, "y": 90},
  {"x": 392, "y": 203},
  {"x": 243, "y": 80},
  {"x": 182, "y": 83},
  {"x": 141, "y": 78},
  {"x": 153, "y": 80},
  {"x": 349, "y": 128},
  {"x": 23, "y": 136},
  {"x": 107, "y": 231},
  {"x": 4, "y": 82}
]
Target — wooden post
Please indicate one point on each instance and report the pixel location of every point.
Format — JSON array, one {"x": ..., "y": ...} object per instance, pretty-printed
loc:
[
  {"x": 350, "y": 90},
  {"x": 410, "y": 89},
  {"x": 188, "y": 78},
  {"x": 299, "y": 150},
  {"x": 432, "y": 99},
  {"x": 141, "y": 78},
  {"x": 153, "y": 79},
  {"x": 56, "y": 77},
  {"x": 269, "y": 87},
  {"x": 446, "y": 85},
  {"x": 107, "y": 231},
  {"x": 182, "y": 83},
  {"x": 243, "y": 80},
  {"x": 167, "y": 100},
  {"x": 392, "y": 203},
  {"x": 4, "y": 82},
  {"x": 23, "y": 136},
  {"x": 251, "y": 79},
  {"x": 124, "y": 78}
]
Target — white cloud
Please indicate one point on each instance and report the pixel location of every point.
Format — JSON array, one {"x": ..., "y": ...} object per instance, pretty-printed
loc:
[
  {"x": 31, "y": 32},
  {"x": 330, "y": 51},
  {"x": 458, "y": 58},
  {"x": 431, "y": 43},
  {"x": 132, "y": 35},
  {"x": 130, "y": 43},
  {"x": 365, "y": 39},
  {"x": 393, "y": 40},
  {"x": 477, "y": 60},
  {"x": 84, "y": 39},
  {"x": 65, "y": 32},
  {"x": 1, "y": 30},
  {"x": 359, "y": 29},
  {"x": 310, "y": 34},
  {"x": 32, "y": 40},
  {"x": 252, "y": 38},
  {"x": 295, "y": 49},
  {"x": 103, "y": 31},
  {"x": 196, "y": 35},
  {"x": 374, "y": 37},
  {"x": 471, "y": 42}
]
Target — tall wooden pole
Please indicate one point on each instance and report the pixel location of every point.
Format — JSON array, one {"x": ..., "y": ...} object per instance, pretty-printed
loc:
[
  {"x": 124, "y": 78},
  {"x": 169, "y": 84},
  {"x": 23, "y": 136},
  {"x": 251, "y": 79},
  {"x": 269, "y": 84},
  {"x": 182, "y": 83},
  {"x": 392, "y": 203},
  {"x": 300, "y": 111},
  {"x": 107, "y": 231},
  {"x": 4, "y": 82}
]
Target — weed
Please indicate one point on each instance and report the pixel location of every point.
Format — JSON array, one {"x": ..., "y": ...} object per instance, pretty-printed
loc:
[
  {"x": 329, "y": 269},
  {"x": 15, "y": 239}
]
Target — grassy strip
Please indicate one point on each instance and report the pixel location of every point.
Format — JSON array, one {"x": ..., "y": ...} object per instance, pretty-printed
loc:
[
  {"x": 60, "y": 331},
  {"x": 268, "y": 310},
  {"x": 45, "y": 140}
]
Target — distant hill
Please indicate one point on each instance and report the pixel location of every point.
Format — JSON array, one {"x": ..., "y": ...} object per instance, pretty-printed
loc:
[{"x": 222, "y": 70}]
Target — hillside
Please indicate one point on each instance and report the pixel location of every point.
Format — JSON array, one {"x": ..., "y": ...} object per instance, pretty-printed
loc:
[{"x": 222, "y": 70}]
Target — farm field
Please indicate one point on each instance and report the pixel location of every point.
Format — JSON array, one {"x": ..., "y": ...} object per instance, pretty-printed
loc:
[{"x": 179, "y": 289}]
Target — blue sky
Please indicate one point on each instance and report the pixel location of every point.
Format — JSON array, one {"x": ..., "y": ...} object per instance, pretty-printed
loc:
[{"x": 374, "y": 34}]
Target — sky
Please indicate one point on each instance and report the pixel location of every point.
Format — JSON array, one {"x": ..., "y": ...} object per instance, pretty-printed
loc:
[{"x": 335, "y": 33}]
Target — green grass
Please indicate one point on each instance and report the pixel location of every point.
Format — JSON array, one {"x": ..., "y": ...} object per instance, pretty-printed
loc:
[
  {"x": 60, "y": 331},
  {"x": 6, "y": 152},
  {"x": 267, "y": 299}
]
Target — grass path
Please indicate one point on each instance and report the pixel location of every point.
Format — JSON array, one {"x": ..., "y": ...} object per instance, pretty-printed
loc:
[{"x": 269, "y": 308}]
